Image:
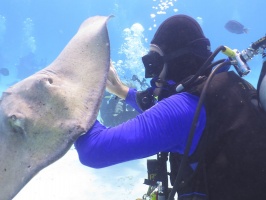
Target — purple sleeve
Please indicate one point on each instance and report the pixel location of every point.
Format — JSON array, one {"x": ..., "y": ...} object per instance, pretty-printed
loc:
[
  {"x": 131, "y": 99},
  {"x": 164, "y": 127}
]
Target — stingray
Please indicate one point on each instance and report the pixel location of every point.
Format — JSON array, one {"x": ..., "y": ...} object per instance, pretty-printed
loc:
[{"x": 42, "y": 116}]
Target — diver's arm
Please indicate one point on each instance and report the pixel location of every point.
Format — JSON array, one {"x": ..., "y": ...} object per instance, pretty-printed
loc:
[
  {"x": 164, "y": 127},
  {"x": 141, "y": 101},
  {"x": 114, "y": 85},
  {"x": 131, "y": 99}
]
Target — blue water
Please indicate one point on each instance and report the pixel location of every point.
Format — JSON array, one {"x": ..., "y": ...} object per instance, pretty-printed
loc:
[
  {"x": 34, "y": 32},
  {"x": 43, "y": 28}
]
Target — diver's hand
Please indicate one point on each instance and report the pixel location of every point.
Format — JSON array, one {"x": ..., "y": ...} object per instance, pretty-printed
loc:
[{"x": 114, "y": 85}]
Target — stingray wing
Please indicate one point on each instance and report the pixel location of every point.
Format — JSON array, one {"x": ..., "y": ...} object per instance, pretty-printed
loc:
[{"x": 41, "y": 116}]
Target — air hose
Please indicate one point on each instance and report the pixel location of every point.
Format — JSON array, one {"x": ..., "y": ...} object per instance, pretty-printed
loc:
[{"x": 192, "y": 130}]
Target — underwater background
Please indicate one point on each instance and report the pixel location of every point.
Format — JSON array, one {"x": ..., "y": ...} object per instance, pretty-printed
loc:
[{"x": 34, "y": 32}]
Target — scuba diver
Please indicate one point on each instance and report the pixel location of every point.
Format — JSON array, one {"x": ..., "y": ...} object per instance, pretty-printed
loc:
[
  {"x": 115, "y": 110},
  {"x": 225, "y": 158}
]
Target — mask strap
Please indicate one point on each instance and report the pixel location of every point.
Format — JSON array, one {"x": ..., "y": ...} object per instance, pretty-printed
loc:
[{"x": 154, "y": 47}]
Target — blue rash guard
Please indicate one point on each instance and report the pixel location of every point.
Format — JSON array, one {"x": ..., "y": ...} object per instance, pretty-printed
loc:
[{"x": 162, "y": 128}]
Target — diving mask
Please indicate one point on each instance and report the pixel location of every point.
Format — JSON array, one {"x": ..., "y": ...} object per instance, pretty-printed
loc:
[{"x": 155, "y": 59}]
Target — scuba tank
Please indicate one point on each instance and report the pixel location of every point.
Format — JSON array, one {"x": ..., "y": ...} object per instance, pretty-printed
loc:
[{"x": 258, "y": 47}]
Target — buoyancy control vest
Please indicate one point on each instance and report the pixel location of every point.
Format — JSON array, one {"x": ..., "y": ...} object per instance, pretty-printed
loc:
[{"x": 230, "y": 160}]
